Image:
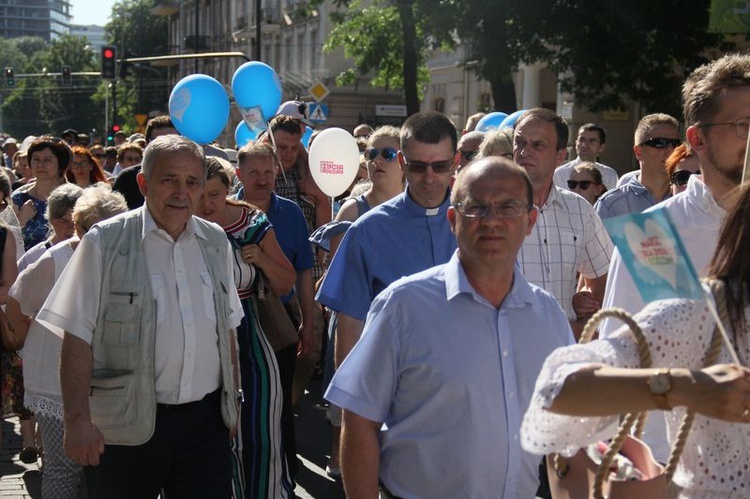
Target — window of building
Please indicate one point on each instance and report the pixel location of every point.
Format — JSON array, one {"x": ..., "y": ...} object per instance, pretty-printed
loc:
[{"x": 439, "y": 105}]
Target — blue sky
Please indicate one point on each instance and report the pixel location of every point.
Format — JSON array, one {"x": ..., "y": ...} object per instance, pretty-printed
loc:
[{"x": 91, "y": 11}]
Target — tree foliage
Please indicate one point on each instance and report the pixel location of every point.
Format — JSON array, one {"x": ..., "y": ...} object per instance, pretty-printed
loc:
[
  {"x": 142, "y": 88},
  {"x": 610, "y": 52},
  {"x": 372, "y": 37},
  {"x": 606, "y": 52},
  {"x": 39, "y": 103}
]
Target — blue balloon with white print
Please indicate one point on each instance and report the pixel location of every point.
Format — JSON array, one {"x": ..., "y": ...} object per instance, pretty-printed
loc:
[{"x": 199, "y": 108}]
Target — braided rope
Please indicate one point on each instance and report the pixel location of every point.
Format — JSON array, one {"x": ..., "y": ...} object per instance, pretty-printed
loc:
[
  {"x": 637, "y": 419},
  {"x": 560, "y": 463},
  {"x": 718, "y": 289}
]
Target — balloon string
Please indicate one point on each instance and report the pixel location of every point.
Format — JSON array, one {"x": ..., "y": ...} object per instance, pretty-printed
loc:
[{"x": 276, "y": 151}]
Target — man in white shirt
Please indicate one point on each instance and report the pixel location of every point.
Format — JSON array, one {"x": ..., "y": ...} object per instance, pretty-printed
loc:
[
  {"x": 717, "y": 112},
  {"x": 148, "y": 365},
  {"x": 568, "y": 238},
  {"x": 589, "y": 145}
]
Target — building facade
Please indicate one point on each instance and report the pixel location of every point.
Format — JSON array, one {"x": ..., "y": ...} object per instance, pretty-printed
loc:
[
  {"x": 457, "y": 91},
  {"x": 291, "y": 41},
  {"x": 47, "y": 19}
]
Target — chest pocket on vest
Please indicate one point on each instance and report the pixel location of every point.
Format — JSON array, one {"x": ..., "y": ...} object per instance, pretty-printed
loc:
[
  {"x": 122, "y": 319},
  {"x": 207, "y": 289}
]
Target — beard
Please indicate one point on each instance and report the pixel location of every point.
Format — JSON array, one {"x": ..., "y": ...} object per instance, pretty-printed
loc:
[{"x": 731, "y": 170}]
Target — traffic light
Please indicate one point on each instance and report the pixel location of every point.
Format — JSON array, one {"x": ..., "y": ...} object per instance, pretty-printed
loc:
[
  {"x": 10, "y": 79},
  {"x": 111, "y": 133},
  {"x": 109, "y": 55},
  {"x": 66, "y": 77}
]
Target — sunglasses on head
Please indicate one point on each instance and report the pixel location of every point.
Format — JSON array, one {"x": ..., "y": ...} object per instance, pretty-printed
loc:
[
  {"x": 419, "y": 167},
  {"x": 583, "y": 184},
  {"x": 661, "y": 142},
  {"x": 468, "y": 155},
  {"x": 681, "y": 177},
  {"x": 387, "y": 153}
]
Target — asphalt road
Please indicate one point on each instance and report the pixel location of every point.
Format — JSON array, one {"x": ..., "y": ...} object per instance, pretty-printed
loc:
[{"x": 23, "y": 481}]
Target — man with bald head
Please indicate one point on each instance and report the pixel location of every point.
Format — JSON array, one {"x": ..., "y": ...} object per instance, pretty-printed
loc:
[{"x": 463, "y": 341}]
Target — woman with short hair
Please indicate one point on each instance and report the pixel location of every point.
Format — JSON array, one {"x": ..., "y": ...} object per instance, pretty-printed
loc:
[{"x": 42, "y": 346}]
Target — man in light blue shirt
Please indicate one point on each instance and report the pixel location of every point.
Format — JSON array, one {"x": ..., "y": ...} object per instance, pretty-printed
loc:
[
  {"x": 656, "y": 136},
  {"x": 448, "y": 358},
  {"x": 400, "y": 237}
]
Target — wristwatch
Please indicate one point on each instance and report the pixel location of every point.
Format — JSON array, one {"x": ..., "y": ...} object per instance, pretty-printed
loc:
[{"x": 660, "y": 383}]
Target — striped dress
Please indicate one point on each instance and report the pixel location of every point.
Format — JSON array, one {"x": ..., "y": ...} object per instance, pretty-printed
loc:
[{"x": 262, "y": 471}]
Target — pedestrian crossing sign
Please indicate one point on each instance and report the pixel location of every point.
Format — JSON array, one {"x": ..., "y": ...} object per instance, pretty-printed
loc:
[{"x": 318, "y": 113}]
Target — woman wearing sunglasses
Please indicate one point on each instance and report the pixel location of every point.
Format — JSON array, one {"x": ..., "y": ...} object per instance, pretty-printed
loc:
[
  {"x": 586, "y": 181},
  {"x": 681, "y": 165},
  {"x": 386, "y": 181}
]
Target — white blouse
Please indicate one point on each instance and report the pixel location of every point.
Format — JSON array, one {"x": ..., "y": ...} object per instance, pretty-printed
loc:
[{"x": 716, "y": 459}]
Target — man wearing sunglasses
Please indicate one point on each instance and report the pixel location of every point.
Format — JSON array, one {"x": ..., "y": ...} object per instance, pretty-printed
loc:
[
  {"x": 716, "y": 111},
  {"x": 568, "y": 237},
  {"x": 656, "y": 136},
  {"x": 589, "y": 145},
  {"x": 468, "y": 146},
  {"x": 449, "y": 358},
  {"x": 400, "y": 237}
]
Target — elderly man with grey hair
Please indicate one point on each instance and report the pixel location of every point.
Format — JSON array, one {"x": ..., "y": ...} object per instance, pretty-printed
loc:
[{"x": 149, "y": 357}]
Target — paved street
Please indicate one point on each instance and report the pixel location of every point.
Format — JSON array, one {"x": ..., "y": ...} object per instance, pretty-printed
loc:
[{"x": 22, "y": 481}]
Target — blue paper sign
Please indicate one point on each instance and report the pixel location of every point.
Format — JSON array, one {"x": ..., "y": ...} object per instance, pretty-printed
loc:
[{"x": 655, "y": 256}]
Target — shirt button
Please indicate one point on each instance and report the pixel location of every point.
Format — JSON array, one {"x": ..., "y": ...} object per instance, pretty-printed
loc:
[
  {"x": 515, "y": 438},
  {"x": 510, "y": 395},
  {"x": 505, "y": 353}
]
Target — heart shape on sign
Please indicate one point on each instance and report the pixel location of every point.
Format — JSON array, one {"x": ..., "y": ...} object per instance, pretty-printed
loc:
[{"x": 654, "y": 249}]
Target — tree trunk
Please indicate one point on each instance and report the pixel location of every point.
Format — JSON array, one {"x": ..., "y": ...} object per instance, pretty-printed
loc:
[
  {"x": 411, "y": 95},
  {"x": 503, "y": 95}
]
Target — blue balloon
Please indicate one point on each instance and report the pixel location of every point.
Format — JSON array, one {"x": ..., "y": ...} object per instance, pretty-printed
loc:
[
  {"x": 243, "y": 135},
  {"x": 306, "y": 137},
  {"x": 256, "y": 85},
  {"x": 490, "y": 121},
  {"x": 199, "y": 108},
  {"x": 510, "y": 121}
]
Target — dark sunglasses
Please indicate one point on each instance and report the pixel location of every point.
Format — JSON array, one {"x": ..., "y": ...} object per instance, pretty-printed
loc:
[
  {"x": 387, "y": 153},
  {"x": 681, "y": 177},
  {"x": 661, "y": 142},
  {"x": 419, "y": 167},
  {"x": 584, "y": 184},
  {"x": 468, "y": 155}
]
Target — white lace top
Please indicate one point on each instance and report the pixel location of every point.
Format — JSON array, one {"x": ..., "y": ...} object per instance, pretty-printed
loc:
[{"x": 716, "y": 459}]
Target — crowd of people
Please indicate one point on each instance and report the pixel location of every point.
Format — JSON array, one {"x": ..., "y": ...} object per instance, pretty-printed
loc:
[{"x": 167, "y": 304}]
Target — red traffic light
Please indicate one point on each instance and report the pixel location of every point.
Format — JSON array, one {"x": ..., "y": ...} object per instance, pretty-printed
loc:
[
  {"x": 115, "y": 128},
  {"x": 109, "y": 62}
]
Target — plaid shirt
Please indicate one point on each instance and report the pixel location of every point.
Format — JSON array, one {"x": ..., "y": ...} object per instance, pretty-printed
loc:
[
  {"x": 289, "y": 188},
  {"x": 568, "y": 238}
]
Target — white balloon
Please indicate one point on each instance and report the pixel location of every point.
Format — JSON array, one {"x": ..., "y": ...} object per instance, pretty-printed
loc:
[{"x": 334, "y": 161}]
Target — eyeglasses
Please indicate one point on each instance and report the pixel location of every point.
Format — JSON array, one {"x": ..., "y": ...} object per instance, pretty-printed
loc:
[
  {"x": 741, "y": 126},
  {"x": 583, "y": 184},
  {"x": 419, "y": 167},
  {"x": 662, "y": 142},
  {"x": 387, "y": 153},
  {"x": 98, "y": 155},
  {"x": 468, "y": 155},
  {"x": 506, "y": 209},
  {"x": 681, "y": 177}
]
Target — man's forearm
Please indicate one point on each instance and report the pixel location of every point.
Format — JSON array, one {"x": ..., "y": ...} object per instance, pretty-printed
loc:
[
  {"x": 360, "y": 456},
  {"x": 347, "y": 334},
  {"x": 75, "y": 378}
]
